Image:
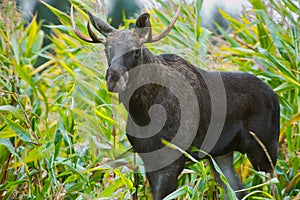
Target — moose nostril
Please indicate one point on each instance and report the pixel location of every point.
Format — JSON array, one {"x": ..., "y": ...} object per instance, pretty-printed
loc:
[
  {"x": 110, "y": 87},
  {"x": 114, "y": 76}
]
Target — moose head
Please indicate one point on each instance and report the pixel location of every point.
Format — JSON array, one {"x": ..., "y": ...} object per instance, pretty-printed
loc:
[{"x": 123, "y": 48}]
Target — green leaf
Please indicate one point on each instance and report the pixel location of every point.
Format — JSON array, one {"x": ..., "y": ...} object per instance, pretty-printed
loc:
[
  {"x": 52, "y": 171},
  {"x": 258, "y": 4},
  {"x": 34, "y": 155},
  {"x": 6, "y": 142},
  {"x": 25, "y": 76},
  {"x": 125, "y": 180},
  {"x": 71, "y": 178},
  {"x": 227, "y": 36},
  {"x": 19, "y": 130},
  {"x": 231, "y": 192},
  {"x": 4, "y": 59},
  {"x": 105, "y": 117},
  {"x": 57, "y": 142},
  {"x": 31, "y": 36},
  {"x": 177, "y": 193},
  {"x": 63, "y": 17},
  {"x": 12, "y": 184},
  {"x": 278, "y": 64},
  {"x": 13, "y": 110},
  {"x": 45, "y": 188},
  {"x": 296, "y": 41},
  {"x": 198, "y": 11},
  {"x": 62, "y": 28},
  {"x": 16, "y": 50},
  {"x": 164, "y": 19},
  {"x": 114, "y": 185}
]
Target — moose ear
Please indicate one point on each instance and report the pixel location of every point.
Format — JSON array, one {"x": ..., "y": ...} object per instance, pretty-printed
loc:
[
  {"x": 103, "y": 27},
  {"x": 142, "y": 25}
]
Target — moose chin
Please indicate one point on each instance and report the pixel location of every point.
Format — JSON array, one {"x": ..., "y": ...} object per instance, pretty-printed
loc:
[{"x": 251, "y": 120}]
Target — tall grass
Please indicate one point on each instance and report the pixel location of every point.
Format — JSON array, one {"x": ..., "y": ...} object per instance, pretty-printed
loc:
[{"x": 62, "y": 134}]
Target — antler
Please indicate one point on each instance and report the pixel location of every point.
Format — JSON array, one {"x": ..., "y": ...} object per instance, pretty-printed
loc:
[
  {"x": 93, "y": 37},
  {"x": 165, "y": 32}
]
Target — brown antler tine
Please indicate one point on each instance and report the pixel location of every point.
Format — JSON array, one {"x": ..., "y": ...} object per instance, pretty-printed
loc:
[
  {"x": 165, "y": 32},
  {"x": 94, "y": 37},
  {"x": 80, "y": 35}
]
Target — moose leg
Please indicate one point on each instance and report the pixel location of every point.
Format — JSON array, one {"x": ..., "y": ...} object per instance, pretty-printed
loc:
[
  {"x": 164, "y": 181},
  {"x": 225, "y": 164}
]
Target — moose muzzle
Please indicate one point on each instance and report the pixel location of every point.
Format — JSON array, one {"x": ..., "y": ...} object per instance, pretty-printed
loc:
[{"x": 116, "y": 78}]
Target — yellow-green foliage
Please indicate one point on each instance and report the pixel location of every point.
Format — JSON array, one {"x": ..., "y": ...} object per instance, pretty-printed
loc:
[{"x": 62, "y": 134}]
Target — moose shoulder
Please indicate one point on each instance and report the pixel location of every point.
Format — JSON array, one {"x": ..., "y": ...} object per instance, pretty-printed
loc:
[{"x": 251, "y": 110}]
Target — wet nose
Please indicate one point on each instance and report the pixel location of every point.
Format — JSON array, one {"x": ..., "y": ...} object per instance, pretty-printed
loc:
[
  {"x": 113, "y": 75},
  {"x": 115, "y": 80},
  {"x": 111, "y": 78}
]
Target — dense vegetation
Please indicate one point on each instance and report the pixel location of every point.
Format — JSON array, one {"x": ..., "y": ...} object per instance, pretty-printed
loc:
[{"x": 62, "y": 134}]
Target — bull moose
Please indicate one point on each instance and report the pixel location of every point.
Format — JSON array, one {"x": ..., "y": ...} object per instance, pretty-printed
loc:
[{"x": 251, "y": 117}]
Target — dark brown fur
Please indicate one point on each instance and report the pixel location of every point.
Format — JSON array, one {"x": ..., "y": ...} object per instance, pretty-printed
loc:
[{"x": 251, "y": 106}]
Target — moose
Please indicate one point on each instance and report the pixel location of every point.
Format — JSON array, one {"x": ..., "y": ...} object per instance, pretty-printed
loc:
[{"x": 251, "y": 119}]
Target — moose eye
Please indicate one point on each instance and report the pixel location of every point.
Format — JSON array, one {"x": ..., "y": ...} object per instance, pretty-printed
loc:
[{"x": 136, "y": 53}]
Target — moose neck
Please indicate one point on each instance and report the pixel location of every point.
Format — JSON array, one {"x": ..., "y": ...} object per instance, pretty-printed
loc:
[{"x": 143, "y": 97}]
